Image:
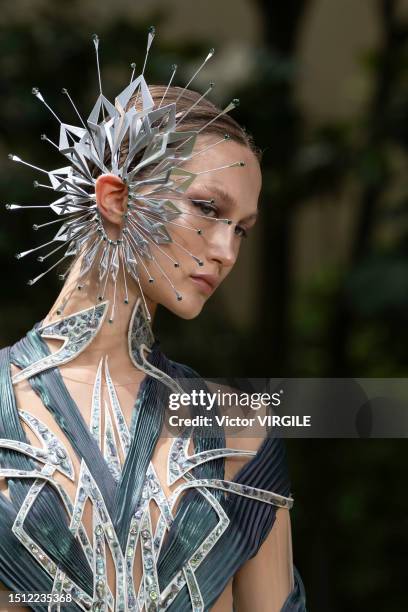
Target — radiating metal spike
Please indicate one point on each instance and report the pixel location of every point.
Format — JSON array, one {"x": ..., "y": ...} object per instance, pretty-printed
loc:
[
  {"x": 36, "y": 92},
  {"x": 95, "y": 39},
  {"x": 209, "y": 56},
  {"x": 233, "y": 104},
  {"x": 217, "y": 219},
  {"x": 19, "y": 207},
  {"x": 42, "y": 258},
  {"x": 133, "y": 66},
  {"x": 174, "y": 70},
  {"x": 156, "y": 263},
  {"x": 145, "y": 234},
  {"x": 32, "y": 281},
  {"x": 24, "y": 253},
  {"x": 196, "y": 259},
  {"x": 238, "y": 164},
  {"x": 211, "y": 146},
  {"x": 60, "y": 220},
  {"x": 137, "y": 278},
  {"x": 66, "y": 93},
  {"x": 188, "y": 111},
  {"x": 45, "y": 138},
  {"x": 17, "y": 159},
  {"x": 156, "y": 217},
  {"x": 122, "y": 261},
  {"x": 150, "y": 37},
  {"x": 130, "y": 238}
]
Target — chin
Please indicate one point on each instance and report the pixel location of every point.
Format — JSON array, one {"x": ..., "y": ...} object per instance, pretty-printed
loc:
[{"x": 187, "y": 308}]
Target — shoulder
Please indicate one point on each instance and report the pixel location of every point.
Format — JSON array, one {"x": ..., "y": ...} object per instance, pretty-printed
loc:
[{"x": 265, "y": 465}]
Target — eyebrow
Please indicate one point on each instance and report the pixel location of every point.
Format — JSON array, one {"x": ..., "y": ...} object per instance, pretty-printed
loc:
[{"x": 228, "y": 199}]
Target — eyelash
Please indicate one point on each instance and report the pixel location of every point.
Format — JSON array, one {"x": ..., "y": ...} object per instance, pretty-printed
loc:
[{"x": 242, "y": 232}]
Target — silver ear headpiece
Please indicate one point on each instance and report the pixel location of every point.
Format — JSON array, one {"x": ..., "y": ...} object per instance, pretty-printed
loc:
[{"x": 154, "y": 194}]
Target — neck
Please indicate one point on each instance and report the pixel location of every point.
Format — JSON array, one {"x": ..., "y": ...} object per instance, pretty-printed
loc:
[{"x": 111, "y": 339}]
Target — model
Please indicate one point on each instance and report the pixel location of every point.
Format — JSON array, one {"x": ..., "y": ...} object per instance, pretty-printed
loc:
[{"x": 98, "y": 510}]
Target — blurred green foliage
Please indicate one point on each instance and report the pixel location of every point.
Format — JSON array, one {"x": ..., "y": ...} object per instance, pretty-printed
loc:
[{"x": 348, "y": 319}]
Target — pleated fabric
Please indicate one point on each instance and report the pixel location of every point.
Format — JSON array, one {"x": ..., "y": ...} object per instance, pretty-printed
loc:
[{"x": 47, "y": 521}]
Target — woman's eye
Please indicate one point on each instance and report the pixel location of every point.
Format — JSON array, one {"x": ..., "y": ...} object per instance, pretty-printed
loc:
[
  {"x": 241, "y": 231},
  {"x": 206, "y": 209}
]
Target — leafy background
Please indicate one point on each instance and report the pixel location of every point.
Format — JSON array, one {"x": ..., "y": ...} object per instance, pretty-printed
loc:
[{"x": 322, "y": 285}]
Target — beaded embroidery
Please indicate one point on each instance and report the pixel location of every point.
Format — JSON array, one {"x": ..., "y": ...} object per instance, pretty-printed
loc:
[{"x": 53, "y": 456}]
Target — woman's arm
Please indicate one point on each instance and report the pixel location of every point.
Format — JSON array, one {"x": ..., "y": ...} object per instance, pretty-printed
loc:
[{"x": 264, "y": 582}]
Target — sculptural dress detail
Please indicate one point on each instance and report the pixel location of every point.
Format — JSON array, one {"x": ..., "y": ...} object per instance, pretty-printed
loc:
[{"x": 192, "y": 552}]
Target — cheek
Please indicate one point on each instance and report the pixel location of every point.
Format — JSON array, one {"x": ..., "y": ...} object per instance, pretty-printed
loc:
[
  {"x": 187, "y": 249},
  {"x": 161, "y": 292},
  {"x": 225, "y": 272},
  {"x": 170, "y": 280},
  {"x": 186, "y": 243},
  {"x": 237, "y": 248},
  {"x": 188, "y": 233}
]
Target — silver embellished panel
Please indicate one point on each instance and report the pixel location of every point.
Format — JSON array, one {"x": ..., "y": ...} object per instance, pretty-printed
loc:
[
  {"x": 76, "y": 330},
  {"x": 53, "y": 457}
]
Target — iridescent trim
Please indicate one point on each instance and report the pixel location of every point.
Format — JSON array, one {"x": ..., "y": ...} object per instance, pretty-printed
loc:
[
  {"x": 78, "y": 595},
  {"x": 147, "y": 597},
  {"x": 110, "y": 447},
  {"x": 76, "y": 330},
  {"x": 52, "y": 451},
  {"x": 140, "y": 342},
  {"x": 268, "y": 497},
  {"x": 140, "y": 333},
  {"x": 103, "y": 530},
  {"x": 180, "y": 579},
  {"x": 110, "y": 451},
  {"x": 150, "y": 578},
  {"x": 95, "y": 421},
  {"x": 120, "y": 421},
  {"x": 179, "y": 463},
  {"x": 99, "y": 565},
  {"x": 193, "y": 588}
]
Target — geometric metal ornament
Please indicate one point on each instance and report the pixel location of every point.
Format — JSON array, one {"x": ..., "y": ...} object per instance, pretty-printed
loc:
[
  {"x": 76, "y": 330},
  {"x": 140, "y": 342},
  {"x": 108, "y": 427},
  {"x": 147, "y": 596},
  {"x": 142, "y": 144}
]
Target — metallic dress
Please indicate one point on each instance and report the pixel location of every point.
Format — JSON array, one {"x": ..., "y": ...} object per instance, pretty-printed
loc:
[{"x": 192, "y": 553}]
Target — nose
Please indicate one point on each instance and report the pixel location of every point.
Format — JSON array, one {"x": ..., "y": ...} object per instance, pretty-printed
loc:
[{"x": 221, "y": 244}]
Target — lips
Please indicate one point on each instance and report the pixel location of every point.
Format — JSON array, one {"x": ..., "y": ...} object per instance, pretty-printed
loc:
[{"x": 207, "y": 282}]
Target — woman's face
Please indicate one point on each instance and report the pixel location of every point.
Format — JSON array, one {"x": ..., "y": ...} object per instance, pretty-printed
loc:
[{"x": 235, "y": 192}]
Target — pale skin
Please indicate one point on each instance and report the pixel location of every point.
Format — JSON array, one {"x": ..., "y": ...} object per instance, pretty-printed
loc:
[{"x": 264, "y": 582}]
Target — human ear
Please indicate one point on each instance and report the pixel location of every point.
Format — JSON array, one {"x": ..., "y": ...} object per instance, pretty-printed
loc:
[{"x": 111, "y": 197}]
